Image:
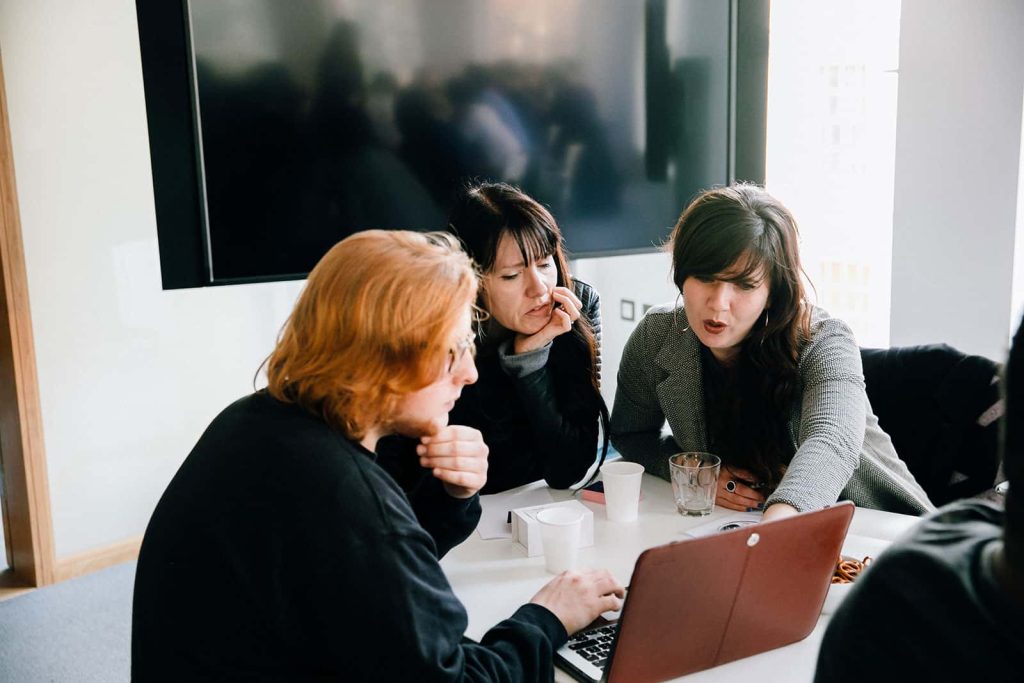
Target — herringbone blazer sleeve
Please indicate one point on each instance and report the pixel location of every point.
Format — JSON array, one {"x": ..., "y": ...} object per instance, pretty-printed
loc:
[
  {"x": 832, "y": 419},
  {"x": 637, "y": 417}
]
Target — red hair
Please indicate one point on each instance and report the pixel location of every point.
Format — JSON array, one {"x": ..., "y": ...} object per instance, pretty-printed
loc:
[{"x": 374, "y": 323}]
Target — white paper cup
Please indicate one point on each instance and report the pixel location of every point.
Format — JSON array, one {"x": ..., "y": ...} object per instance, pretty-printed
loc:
[
  {"x": 622, "y": 490},
  {"x": 560, "y": 537}
]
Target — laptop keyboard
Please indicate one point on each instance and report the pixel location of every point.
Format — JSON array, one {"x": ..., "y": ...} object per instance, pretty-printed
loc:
[{"x": 594, "y": 645}]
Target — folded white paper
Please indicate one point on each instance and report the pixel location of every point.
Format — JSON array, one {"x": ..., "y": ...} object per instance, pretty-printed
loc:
[{"x": 733, "y": 521}]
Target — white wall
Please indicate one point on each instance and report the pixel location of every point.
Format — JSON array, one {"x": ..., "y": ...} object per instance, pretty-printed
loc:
[
  {"x": 643, "y": 279},
  {"x": 129, "y": 374},
  {"x": 958, "y": 142},
  {"x": 3, "y": 554}
]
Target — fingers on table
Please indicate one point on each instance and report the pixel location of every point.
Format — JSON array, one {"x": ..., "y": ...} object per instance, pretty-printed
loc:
[
  {"x": 734, "y": 490},
  {"x": 742, "y": 498}
]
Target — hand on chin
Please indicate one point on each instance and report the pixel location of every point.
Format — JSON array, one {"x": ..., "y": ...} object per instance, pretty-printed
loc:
[{"x": 559, "y": 323}]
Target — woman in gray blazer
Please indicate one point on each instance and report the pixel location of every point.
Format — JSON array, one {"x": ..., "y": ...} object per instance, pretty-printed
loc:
[{"x": 748, "y": 369}]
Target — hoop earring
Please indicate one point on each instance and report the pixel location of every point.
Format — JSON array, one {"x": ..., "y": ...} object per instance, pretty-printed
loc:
[
  {"x": 675, "y": 316},
  {"x": 675, "y": 323},
  {"x": 766, "y": 318}
]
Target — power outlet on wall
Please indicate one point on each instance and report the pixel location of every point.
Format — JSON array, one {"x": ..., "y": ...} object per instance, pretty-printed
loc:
[{"x": 627, "y": 309}]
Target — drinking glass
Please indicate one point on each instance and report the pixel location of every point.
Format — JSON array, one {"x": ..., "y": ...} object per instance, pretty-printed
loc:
[{"x": 695, "y": 482}]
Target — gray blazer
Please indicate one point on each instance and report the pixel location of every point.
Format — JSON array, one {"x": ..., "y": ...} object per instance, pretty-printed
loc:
[{"x": 841, "y": 452}]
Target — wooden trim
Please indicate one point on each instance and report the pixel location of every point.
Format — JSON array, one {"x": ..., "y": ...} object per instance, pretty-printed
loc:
[
  {"x": 28, "y": 526},
  {"x": 11, "y": 587},
  {"x": 76, "y": 565},
  {"x": 97, "y": 558}
]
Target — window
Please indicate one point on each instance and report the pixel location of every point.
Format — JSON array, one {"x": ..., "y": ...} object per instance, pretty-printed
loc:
[
  {"x": 1017, "y": 299},
  {"x": 832, "y": 80}
]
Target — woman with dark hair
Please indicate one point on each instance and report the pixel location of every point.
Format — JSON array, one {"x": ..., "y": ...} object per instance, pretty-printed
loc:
[
  {"x": 282, "y": 550},
  {"x": 749, "y": 370},
  {"x": 537, "y": 401}
]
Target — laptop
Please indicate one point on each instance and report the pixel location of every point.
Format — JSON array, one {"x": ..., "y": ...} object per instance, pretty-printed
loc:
[{"x": 701, "y": 602}]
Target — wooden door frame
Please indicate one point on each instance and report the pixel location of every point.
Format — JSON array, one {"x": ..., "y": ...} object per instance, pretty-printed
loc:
[{"x": 28, "y": 525}]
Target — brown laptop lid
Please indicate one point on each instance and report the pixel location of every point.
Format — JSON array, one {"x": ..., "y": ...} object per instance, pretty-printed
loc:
[{"x": 702, "y": 602}]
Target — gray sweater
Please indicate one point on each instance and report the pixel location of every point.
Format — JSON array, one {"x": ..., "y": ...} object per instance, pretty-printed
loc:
[{"x": 840, "y": 450}]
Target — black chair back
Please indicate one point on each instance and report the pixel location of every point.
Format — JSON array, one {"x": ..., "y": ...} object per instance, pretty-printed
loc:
[{"x": 941, "y": 408}]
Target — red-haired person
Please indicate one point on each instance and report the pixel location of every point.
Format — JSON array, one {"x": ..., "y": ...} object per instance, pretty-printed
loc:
[{"x": 282, "y": 550}]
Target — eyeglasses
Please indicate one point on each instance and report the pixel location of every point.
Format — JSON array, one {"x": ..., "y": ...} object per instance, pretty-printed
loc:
[{"x": 455, "y": 355}]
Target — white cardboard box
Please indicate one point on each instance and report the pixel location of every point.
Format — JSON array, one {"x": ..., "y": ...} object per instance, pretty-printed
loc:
[{"x": 526, "y": 528}]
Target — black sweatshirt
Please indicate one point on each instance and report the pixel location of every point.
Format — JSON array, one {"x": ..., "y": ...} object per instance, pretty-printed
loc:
[
  {"x": 539, "y": 423},
  {"x": 930, "y": 608},
  {"x": 282, "y": 551}
]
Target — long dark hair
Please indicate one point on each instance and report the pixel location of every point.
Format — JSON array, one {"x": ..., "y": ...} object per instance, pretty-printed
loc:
[
  {"x": 483, "y": 213},
  {"x": 743, "y": 224}
]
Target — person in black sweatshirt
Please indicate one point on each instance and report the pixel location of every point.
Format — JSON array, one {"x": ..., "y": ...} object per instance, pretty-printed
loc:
[
  {"x": 538, "y": 402},
  {"x": 282, "y": 550},
  {"x": 945, "y": 602}
]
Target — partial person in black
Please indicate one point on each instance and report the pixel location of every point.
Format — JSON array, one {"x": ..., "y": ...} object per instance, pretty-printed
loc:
[
  {"x": 946, "y": 602},
  {"x": 537, "y": 401},
  {"x": 282, "y": 550}
]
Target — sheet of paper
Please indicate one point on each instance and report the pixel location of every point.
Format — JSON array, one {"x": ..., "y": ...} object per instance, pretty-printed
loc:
[
  {"x": 494, "y": 521},
  {"x": 859, "y": 547},
  {"x": 731, "y": 521}
]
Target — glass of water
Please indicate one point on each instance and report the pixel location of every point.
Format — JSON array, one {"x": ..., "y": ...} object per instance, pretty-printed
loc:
[{"x": 695, "y": 482}]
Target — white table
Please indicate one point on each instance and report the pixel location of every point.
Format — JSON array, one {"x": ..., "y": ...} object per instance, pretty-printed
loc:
[{"x": 494, "y": 577}]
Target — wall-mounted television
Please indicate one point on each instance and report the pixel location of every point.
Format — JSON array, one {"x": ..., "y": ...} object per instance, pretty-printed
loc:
[{"x": 278, "y": 128}]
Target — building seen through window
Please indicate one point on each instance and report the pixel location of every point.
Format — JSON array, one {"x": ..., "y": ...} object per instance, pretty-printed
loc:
[{"x": 832, "y": 88}]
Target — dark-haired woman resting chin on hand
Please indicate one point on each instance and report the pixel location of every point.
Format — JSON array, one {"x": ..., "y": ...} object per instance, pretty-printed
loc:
[
  {"x": 537, "y": 401},
  {"x": 749, "y": 370}
]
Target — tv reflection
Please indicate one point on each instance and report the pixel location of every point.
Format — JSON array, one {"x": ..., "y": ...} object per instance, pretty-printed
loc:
[{"x": 357, "y": 150}]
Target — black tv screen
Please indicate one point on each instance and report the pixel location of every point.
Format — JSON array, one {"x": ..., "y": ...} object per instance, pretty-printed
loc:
[{"x": 278, "y": 128}]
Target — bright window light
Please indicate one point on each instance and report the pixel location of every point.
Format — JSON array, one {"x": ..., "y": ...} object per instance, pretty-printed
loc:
[
  {"x": 1017, "y": 299},
  {"x": 832, "y": 79}
]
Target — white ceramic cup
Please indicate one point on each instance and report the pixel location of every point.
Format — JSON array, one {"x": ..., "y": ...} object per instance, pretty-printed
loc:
[
  {"x": 560, "y": 537},
  {"x": 622, "y": 490}
]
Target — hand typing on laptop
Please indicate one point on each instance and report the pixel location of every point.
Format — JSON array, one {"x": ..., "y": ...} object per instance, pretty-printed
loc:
[
  {"x": 578, "y": 597},
  {"x": 697, "y": 603}
]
